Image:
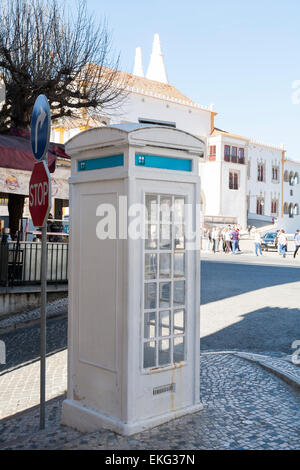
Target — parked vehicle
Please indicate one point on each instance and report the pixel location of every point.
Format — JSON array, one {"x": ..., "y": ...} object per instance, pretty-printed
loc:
[{"x": 269, "y": 242}]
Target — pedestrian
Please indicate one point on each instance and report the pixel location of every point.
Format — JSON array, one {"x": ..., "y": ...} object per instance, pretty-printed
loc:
[
  {"x": 207, "y": 236},
  {"x": 235, "y": 241},
  {"x": 277, "y": 242},
  {"x": 215, "y": 239},
  {"x": 297, "y": 242},
  {"x": 257, "y": 243},
  {"x": 227, "y": 238},
  {"x": 282, "y": 239}
]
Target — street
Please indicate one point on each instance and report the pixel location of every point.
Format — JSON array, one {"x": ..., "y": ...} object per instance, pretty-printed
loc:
[{"x": 247, "y": 305}]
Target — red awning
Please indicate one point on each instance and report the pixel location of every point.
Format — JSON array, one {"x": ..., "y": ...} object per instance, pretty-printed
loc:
[{"x": 16, "y": 153}]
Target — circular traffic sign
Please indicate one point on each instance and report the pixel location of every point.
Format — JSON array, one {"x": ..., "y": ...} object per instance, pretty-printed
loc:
[
  {"x": 40, "y": 194},
  {"x": 40, "y": 127}
]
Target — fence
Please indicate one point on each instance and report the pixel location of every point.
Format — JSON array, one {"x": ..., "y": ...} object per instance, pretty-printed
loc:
[{"x": 20, "y": 263}]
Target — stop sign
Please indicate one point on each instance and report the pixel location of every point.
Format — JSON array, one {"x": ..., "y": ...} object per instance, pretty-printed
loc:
[{"x": 40, "y": 194}]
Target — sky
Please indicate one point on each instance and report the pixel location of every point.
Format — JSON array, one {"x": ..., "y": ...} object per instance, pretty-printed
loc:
[{"x": 242, "y": 56}]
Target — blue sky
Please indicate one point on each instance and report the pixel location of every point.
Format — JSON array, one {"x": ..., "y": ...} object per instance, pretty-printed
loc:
[{"x": 241, "y": 56}]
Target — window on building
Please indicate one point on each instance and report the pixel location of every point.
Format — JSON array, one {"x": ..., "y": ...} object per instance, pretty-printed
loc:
[
  {"x": 241, "y": 156},
  {"x": 212, "y": 153},
  {"x": 260, "y": 205},
  {"x": 3, "y": 201},
  {"x": 234, "y": 154},
  {"x": 233, "y": 180},
  {"x": 296, "y": 209},
  {"x": 227, "y": 153},
  {"x": 291, "y": 179},
  {"x": 275, "y": 173},
  {"x": 296, "y": 178},
  {"x": 260, "y": 172},
  {"x": 286, "y": 176},
  {"x": 274, "y": 206},
  {"x": 285, "y": 208},
  {"x": 291, "y": 211}
]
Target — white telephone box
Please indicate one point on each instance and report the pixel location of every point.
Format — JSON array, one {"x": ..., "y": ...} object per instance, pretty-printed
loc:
[{"x": 134, "y": 278}]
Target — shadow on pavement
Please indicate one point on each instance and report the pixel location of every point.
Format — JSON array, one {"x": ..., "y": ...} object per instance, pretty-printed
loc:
[
  {"x": 222, "y": 280},
  {"x": 23, "y": 345},
  {"x": 266, "y": 329}
]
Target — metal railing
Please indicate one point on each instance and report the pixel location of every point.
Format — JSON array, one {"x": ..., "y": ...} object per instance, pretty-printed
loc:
[{"x": 20, "y": 263}]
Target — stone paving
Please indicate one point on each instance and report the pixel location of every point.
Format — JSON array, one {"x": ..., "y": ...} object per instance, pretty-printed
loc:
[
  {"x": 245, "y": 407},
  {"x": 20, "y": 388}
]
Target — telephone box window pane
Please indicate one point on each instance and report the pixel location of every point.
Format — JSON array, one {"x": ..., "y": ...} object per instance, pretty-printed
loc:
[
  {"x": 179, "y": 322},
  {"x": 151, "y": 266},
  {"x": 150, "y": 296},
  {"x": 164, "y": 323},
  {"x": 179, "y": 293},
  {"x": 179, "y": 210},
  {"x": 152, "y": 208},
  {"x": 149, "y": 325},
  {"x": 165, "y": 237},
  {"x": 179, "y": 349},
  {"x": 165, "y": 210},
  {"x": 149, "y": 354},
  {"x": 165, "y": 294},
  {"x": 151, "y": 237},
  {"x": 179, "y": 237},
  {"x": 164, "y": 352},
  {"x": 165, "y": 265},
  {"x": 179, "y": 262}
]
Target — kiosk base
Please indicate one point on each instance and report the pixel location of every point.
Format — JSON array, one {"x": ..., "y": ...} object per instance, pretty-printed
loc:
[{"x": 85, "y": 419}]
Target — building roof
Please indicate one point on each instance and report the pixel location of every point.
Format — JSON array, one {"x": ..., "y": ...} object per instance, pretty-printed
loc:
[{"x": 217, "y": 131}]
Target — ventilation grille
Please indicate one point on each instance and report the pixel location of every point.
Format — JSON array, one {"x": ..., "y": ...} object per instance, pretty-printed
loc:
[{"x": 164, "y": 389}]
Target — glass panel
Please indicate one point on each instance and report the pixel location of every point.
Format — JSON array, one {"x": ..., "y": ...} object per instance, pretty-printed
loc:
[
  {"x": 165, "y": 237},
  {"x": 178, "y": 349},
  {"x": 149, "y": 325},
  {"x": 150, "y": 295},
  {"x": 165, "y": 209},
  {"x": 179, "y": 210},
  {"x": 179, "y": 237},
  {"x": 151, "y": 208},
  {"x": 165, "y": 265},
  {"x": 179, "y": 263},
  {"x": 179, "y": 322},
  {"x": 149, "y": 354},
  {"x": 164, "y": 323},
  {"x": 151, "y": 237},
  {"x": 150, "y": 266},
  {"x": 164, "y": 352},
  {"x": 179, "y": 293},
  {"x": 165, "y": 294}
]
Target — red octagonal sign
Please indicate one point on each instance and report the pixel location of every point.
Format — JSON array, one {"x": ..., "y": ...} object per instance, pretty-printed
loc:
[{"x": 40, "y": 194}]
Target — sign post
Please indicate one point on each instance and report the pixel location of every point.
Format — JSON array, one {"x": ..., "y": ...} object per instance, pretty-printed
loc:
[{"x": 39, "y": 205}]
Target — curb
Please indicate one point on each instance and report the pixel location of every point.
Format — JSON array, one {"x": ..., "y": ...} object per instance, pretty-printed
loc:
[
  {"x": 276, "y": 366},
  {"x": 283, "y": 368}
]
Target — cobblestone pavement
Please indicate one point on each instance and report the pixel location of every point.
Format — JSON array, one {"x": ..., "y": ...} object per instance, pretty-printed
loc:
[
  {"x": 245, "y": 407},
  {"x": 20, "y": 376}
]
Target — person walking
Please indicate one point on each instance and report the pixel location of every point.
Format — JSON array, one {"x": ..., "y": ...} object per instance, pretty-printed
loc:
[
  {"x": 215, "y": 239},
  {"x": 282, "y": 239},
  {"x": 257, "y": 243},
  {"x": 235, "y": 241},
  {"x": 297, "y": 242},
  {"x": 227, "y": 238}
]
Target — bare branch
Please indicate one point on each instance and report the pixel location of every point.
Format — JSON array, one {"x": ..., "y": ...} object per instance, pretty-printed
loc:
[{"x": 69, "y": 59}]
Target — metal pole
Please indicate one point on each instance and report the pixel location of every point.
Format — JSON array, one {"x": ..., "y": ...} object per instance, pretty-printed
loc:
[{"x": 43, "y": 327}]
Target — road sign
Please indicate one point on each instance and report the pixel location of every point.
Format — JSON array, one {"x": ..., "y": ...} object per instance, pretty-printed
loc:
[
  {"x": 40, "y": 194},
  {"x": 40, "y": 127}
]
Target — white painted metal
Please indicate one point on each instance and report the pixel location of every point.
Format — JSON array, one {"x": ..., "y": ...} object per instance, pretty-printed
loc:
[{"x": 109, "y": 385}]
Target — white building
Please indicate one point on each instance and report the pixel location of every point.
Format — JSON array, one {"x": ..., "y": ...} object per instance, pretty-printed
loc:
[{"x": 242, "y": 180}]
